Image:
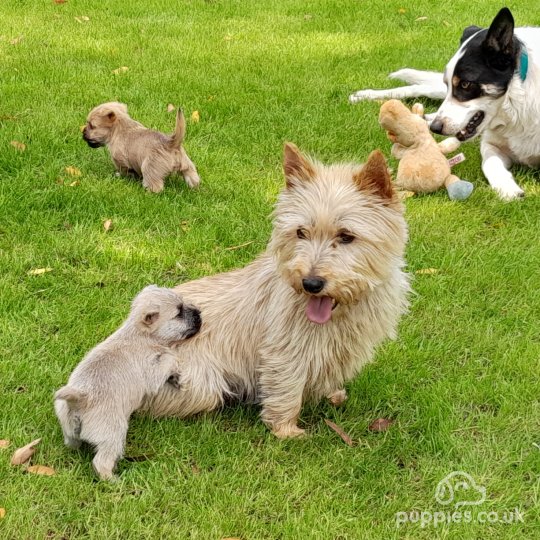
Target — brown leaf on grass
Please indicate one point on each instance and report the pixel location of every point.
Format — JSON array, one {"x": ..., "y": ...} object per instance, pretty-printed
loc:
[
  {"x": 60, "y": 1},
  {"x": 2, "y": 513},
  {"x": 184, "y": 225},
  {"x": 195, "y": 469},
  {"x": 41, "y": 469},
  {"x": 73, "y": 171},
  {"x": 195, "y": 117},
  {"x": 344, "y": 436},
  {"x": 426, "y": 271},
  {"x": 4, "y": 443},
  {"x": 402, "y": 195},
  {"x": 380, "y": 424},
  {"x": 170, "y": 107},
  {"x": 23, "y": 454},
  {"x": 16, "y": 41},
  {"x": 108, "y": 225},
  {"x": 121, "y": 69},
  {"x": 21, "y": 147},
  {"x": 39, "y": 271},
  {"x": 74, "y": 184}
]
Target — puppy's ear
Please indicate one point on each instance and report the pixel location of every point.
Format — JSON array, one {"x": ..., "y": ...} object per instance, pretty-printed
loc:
[
  {"x": 499, "y": 42},
  {"x": 110, "y": 116},
  {"x": 374, "y": 177},
  {"x": 150, "y": 317},
  {"x": 295, "y": 166}
]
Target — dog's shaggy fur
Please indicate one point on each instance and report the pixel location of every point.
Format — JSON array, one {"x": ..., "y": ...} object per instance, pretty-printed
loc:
[
  {"x": 304, "y": 317},
  {"x": 137, "y": 150},
  {"x": 114, "y": 377}
]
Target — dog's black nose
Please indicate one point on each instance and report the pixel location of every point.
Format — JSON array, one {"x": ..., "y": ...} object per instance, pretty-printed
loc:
[
  {"x": 437, "y": 126},
  {"x": 313, "y": 284}
]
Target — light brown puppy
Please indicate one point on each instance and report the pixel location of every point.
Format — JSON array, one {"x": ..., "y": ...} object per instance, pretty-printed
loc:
[
  {"x": 115, "y": 377},
  {"x": 138, "y": 150},
  {"x": 303, "y": 318}
]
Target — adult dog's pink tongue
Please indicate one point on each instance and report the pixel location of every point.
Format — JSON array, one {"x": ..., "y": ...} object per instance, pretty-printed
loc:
[{"x": 319, "y": 309}]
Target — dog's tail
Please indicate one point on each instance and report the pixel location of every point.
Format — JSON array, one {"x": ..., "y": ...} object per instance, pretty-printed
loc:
[
  {"x": 179, "y": 130},
  {"x": 76, "y": 399}
]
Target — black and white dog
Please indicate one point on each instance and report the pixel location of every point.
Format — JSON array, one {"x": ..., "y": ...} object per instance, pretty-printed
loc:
[{"x": 490, "y": 87}]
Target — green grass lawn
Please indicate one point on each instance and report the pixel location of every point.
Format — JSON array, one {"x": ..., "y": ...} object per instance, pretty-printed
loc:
[{"x": 462, "y": 381}]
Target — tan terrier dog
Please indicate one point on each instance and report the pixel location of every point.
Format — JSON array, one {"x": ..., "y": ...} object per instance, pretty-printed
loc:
[
  {"x": 303, "y": 318},
  {"x": 138, "y": 150},
  {"x": 115, "y": 377}
]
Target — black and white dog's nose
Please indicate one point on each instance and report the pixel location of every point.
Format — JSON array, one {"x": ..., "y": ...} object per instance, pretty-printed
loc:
[
  {"x": 313, "y": 284},
  {"x": 437, "y": 126}
]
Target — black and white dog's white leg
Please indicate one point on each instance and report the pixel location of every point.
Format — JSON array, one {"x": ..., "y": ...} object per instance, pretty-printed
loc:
[
  {"x": 496, "y": 165},
  {"x": 421, "y": 84}
]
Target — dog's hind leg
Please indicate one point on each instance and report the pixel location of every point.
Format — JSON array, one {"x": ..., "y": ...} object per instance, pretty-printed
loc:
[
  {"x": 417, "y": 76},
  {"x": 109, "y": 451},
  {"x": 153, "y": 174}
]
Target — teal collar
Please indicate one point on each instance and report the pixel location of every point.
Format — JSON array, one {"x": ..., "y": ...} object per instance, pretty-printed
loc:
[{"x": 523, "y": 64}]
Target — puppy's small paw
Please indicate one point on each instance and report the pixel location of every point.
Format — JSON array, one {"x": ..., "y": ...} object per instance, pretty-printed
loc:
[
  {"x": 174, "y": 380},
  {"x": 288, "y": 431},
  {"x": 192, "y": 180},
  {"x": 338, "y": 398}
]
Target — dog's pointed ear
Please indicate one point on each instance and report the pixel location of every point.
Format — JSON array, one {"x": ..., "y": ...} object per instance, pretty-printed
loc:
[
  {"x": 468, "y": 32},
  {"x": 295, "y": 166},
  {"x": 111, "y": 116},
  {"x": 374, "y": 176},
  {"x": 500, "y": 38}
]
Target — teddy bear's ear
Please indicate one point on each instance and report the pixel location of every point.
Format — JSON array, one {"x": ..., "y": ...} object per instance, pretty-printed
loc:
[{"x": 374, "y": 177}]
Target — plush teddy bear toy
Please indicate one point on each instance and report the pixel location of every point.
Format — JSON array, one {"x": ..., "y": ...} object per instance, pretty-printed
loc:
[{"x": 423, "y": 168}]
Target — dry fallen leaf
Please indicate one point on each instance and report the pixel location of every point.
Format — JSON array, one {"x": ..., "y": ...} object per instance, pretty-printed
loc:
[
  {"x": 421, "y": 19},
  {"x": 73, "y": 171},
  {"x": 22, "y": 455},
  {"x": 39, "y": 271},
  {"x": 60, "y": 1},
  {"x": 346, "y": 439},
  {"x": 195, "y": 116},
  {"x": 119, "y": 70},
  {"x": 4, "y": 443},
  {"x": 427, "y": 271},
  {"x": 170, "y": 107},
  {"x": 405, "y": 194},
  {"x": 75, "y": 183},
  {"x": 82, "y": 19},
  {"x": 21, "y": 147},
  {"x": 2, "y": 513},
  {"x": 16, "y": 40},
  {"x": 380, "y": 425},
  {"x": 107, "y": 225},
  {"x": 41, "y": 469}
]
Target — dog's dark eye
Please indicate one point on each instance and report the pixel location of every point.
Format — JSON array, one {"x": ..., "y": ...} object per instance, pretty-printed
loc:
[
  {"x": 180, "y": 314},
  {"x": 301, "y": 233},
  {"x": 345, "y": 238},
  {"x": 464, "y": 84}
]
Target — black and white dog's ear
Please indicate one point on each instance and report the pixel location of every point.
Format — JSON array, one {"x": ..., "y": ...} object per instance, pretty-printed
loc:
[
  {"x": 468, "y": 32},
  {"x": 500, "y": 36}
]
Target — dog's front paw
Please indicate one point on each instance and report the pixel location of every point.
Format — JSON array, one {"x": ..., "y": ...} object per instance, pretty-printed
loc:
[
  {"x": 192, "y": 180},
  {"x": 338, "y": 398},
  {"x": 288, "y": 431},
  {"x": 362, "y": 95},
  {"x": 510, "y": 193}
]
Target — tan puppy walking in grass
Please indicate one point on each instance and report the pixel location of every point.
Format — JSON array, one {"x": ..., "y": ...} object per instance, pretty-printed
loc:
[
  {"x": 138, "y": 150},
  {"x": 307, "y": 314},
  {"x": 113, "y": 379}
]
